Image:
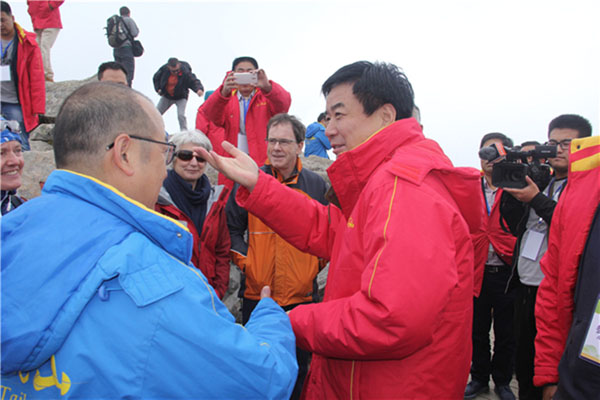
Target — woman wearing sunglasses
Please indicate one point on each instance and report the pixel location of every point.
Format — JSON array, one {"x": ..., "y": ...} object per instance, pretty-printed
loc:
[{"x": 188, "y": 196}]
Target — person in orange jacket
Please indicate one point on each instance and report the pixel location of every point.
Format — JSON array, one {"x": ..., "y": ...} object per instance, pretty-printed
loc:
[
  {"x": 23, "y": 87},
  {"x": 45, "y": 17}
]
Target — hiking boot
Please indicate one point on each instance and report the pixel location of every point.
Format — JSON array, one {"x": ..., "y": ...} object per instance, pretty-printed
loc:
[
  {"x": 504, "y": 392},
  {"x": 474, "y": 388}
]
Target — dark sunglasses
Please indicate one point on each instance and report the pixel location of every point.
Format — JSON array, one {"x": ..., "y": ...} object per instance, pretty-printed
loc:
[{"x": 186, "y": 155}]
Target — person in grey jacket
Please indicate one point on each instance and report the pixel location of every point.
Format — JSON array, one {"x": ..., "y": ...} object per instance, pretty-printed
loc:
[{"x": 124, "y": 53}]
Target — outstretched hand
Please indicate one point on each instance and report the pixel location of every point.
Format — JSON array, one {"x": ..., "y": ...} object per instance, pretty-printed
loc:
[{"x": 241, "y": 168}]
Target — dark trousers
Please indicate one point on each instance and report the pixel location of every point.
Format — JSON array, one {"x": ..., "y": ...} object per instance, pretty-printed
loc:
[
  {"x": 525, "y": 332},
  {"x": 493, "y": 304},
  {"x": 302, "y": 356},
  {"x": 124, "y": 55}
]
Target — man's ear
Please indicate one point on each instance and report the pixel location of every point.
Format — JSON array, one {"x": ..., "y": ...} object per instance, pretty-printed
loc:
[
  {"x": 121, "y": 154},
  {"x": 388, "y": 114}
]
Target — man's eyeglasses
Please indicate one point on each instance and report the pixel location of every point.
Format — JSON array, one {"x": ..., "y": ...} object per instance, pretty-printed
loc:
[
  {"x": 282, "y": 142},
  {"x": 187, "y": 155},
  {"x": 169, "y": 152},
  {"x": 564, "y": 144}
]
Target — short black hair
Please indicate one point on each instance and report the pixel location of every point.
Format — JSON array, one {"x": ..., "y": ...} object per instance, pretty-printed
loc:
[
  {"x": 6, "y": 8},
  {"x": 92, "y": 116},
  {"x": 375, "y": 84},
  {"x": 530, "y": 143},
  {"x": 124, "y": 11},
  {"x": 571, "y": 121},
  {"x": 297, "y": 126},
  {"x": 110, "y": 65},
  {"x": 322, "y": 116},
  {"x": 242, "y": 59},
  {"x": 172, "y": 62},
  {"x": 506, "y": 141}
]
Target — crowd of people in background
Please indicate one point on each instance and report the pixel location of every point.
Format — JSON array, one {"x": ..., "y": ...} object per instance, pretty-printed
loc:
[{"x": 113, "y": 279}]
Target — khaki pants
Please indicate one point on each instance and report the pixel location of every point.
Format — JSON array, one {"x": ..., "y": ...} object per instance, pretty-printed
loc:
[{"x": 46, "y": 38}]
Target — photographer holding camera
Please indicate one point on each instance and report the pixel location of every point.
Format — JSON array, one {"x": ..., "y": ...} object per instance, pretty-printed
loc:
[
  {"x": 528, "y": 214},
  {"x": 243, "y": 106},
  {"x": 491, "y": 301}
]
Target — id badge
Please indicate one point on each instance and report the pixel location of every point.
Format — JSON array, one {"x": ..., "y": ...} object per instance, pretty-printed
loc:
[
  {"x": 590, "y": 351},
  {"x": 5, "y": 73},
  {"x": 533, "y": 244}
]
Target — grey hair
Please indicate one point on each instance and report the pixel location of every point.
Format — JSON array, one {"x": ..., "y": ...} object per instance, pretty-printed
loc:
[{"x": 195, "y": 136}]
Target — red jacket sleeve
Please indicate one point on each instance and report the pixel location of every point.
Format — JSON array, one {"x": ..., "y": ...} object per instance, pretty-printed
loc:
[
  {"x": 221, "y": 279},
  {"x": 278, "y": 98},
  {"x": 37, "y": 82},
  {"x": 549, "y": 343},
  {"x": 393, "y": 314},
  {"x": 272, "y": 202},
  {"x": 214, "y": 107}
]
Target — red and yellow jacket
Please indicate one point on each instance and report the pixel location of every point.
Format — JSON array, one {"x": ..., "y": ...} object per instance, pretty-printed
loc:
[
  {"x": 29, "y": 72},
  {"x": 267, "y": 259},
  {"x": 396, "y": 318},
  {"x": 570, "y": 227}
]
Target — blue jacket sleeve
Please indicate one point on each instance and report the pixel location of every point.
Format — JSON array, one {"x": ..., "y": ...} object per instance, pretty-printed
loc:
[
  {"x": 217, "y": 358},
  {"x": 323, "y": 139}
]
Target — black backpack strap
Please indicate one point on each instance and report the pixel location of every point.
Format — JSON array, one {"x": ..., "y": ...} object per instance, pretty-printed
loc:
[{"x": 127, "y": 33}]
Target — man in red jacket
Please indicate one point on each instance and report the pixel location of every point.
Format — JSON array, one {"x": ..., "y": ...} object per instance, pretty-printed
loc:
[
  {"x": 492, "y": 303},
  {"x": 243, "y": 105},
  {"x": 567, "y": 309},
  {"x": 45, "y": 17},
  {"x": 396, "y": 317},
  {"x": 22, "y": 83}
]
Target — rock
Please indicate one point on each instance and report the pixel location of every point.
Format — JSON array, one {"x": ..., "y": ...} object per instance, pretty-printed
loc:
[
  {"x": 317, "y": 165},
  {"x": 57, "y": 92},
  {"x": 38, "y": 165},
  {"x": 43, "y": 133}
]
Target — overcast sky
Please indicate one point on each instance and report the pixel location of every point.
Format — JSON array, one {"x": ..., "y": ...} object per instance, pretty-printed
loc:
[{"x": 476, "y": 66}]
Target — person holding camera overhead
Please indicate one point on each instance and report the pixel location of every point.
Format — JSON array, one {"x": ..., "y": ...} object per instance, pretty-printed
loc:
[
  {"x": 243, "y": 105},
  {"x": 528, "y": 214},
  {"x": 491, "y": 302}
]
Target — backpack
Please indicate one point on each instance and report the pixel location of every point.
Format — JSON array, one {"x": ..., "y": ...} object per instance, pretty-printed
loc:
[{"x": 114, "y": 31}]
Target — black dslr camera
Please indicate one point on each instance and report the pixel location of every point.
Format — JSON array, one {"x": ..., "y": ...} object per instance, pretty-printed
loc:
[{"x": 512, "y": 166}]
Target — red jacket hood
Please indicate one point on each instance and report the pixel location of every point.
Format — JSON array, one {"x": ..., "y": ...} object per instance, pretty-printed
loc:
[{"x": 413, "y": 158}]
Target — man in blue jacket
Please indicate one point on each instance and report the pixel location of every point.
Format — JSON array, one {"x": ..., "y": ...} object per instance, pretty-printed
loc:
[
  {"x": 99, "y": 299},
  {"x": 317, "y": 143}
]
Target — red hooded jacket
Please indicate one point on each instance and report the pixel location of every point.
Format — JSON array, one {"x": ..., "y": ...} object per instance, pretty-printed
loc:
[
  {"x": 570, "y": 227},
  {"x": 30, "y": 76},
  {"x": 397, "y": 313},
  {"x": 45, "y": 14}
]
